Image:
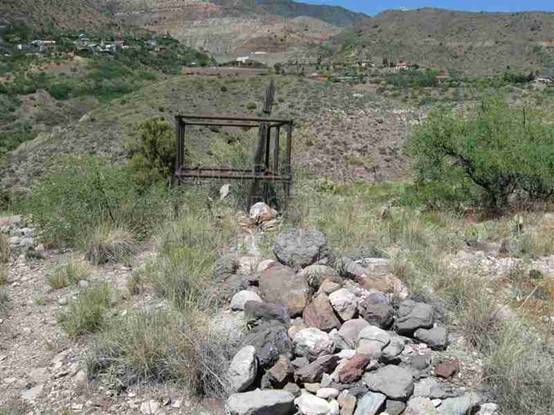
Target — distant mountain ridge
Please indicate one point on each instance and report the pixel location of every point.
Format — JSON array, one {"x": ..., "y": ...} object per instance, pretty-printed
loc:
[{"x": 471, "y": 43}]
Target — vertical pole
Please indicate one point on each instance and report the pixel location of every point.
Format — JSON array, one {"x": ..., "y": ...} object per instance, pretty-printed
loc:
[
  {"x": 288, "y": 167},
  {"x": 178, "y": 127},
  {"x": 267, "y": 149},
  {"x": 276, "y": 151}
]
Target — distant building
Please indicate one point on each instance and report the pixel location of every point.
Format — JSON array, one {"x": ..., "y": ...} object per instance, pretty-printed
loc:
[{"x": 242, "y": 60}]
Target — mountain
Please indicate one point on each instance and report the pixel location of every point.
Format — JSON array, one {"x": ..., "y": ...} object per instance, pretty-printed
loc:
[{"x": 470, "y": 43}]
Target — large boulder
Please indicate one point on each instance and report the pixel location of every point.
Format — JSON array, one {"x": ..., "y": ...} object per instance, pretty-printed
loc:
[
  {"x": 345, "y": 303},
  {"x": 280, "y": 285},
  {"x": 394, "y": 381},
  {"x": 243, "y": 369},
  {"x": 370, "y": 403},
  {"x": 320, "y": 314},
  {"x": 299, "y": 248},
  {"x": 313, "y": 372},
  {"x": 412, "y": 316},
  {"x": 270, "y": 340},
  {"x": 312, "y": 343},
  {"x": 347, "y": 336},
  {"x": 261, "y": 402}
]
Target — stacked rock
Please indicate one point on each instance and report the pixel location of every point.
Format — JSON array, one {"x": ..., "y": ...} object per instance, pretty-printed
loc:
[{"x": 339, "y": 340}]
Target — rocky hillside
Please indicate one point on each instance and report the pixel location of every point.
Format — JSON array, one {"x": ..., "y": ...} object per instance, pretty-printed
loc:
[{"x": 473, "y": 43}]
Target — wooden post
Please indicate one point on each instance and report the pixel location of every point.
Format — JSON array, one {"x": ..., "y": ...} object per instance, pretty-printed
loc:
[
  {"x": 276, "y": 150},
  {"x": 288, "y": 166}
]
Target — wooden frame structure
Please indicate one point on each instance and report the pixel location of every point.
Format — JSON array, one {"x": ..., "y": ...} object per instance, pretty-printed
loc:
[{"x": 269, "y": 164}]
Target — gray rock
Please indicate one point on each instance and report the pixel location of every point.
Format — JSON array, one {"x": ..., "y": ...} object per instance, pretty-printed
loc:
[
  {"x": 344, "y": 303},
  {"x": 392, "y": 351},
  {"x": 84, "y": 284},
  {"x": 312, "y": 343},
  {"x": 432, "y": 388},
  {"x": 393, "y": 407},
  {"x": 347, "y": 336},
  {"x": 371, "y": 341},
  {"x": 314, "y": 371},
  {"x": 292, "y": 388},
  {"x": 280, "y": 285},
  {"x": 460, "y": 405},
  {"x": 377, "y": 314},
  {"x": 299, "y": 248},
  {"x": 254, "y": 311},
  {"x": 261, "y": 402},
  {"x": 393, "y": 381},
  {"x": 412, "y": 316},
  {"x": 436, "y": 338},
  {"x": 270, "y": 341},
  {"x": 316, "y": 274},
  {"x": 420, "y": 406},
  {"x": 239, "y": 299},
  {"x": 370, "y": 403},
  {"x": 243, "y": 369},
  {"x": 420, "y": 362}
]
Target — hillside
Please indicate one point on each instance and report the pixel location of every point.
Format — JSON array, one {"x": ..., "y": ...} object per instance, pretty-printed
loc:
[{"x": 472, "y": 43}]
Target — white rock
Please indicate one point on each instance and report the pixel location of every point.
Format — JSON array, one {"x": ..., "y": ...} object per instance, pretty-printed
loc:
[
  {"x": 239, "y": 299},
  {"x": 265, "y": 264},
  {"x": 344, "y": 303},
  {"x": 420, "y": 406},
  {"x": 274, "y": 402},
  {"x": 488, "y": 409},
  {"x": 243, "y": 369},
  {"x": 327, "y": 393},
  {"x": 150, "y": 407},
  {"x": 312, "y": 343},
  {"x": 224, "y": 191},
  {"x": 32, "y": 393},
  {"x": 309, "y": 404},
  {"x": 261, "y": 212}
]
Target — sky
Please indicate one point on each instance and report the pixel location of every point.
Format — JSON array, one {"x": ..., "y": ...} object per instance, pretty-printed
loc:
[{"x": 376, "y": 6}]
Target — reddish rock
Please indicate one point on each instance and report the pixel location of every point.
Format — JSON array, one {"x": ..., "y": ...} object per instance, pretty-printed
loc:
[
  {"x": 353, "y": 369},
  {"x": 320, "y": 314},
  {"x": 448, "y": 368},
  {"x": 314, "y": 371},
  {"x": 386, "y": 283},
  {"x": 280, "y": 372}
]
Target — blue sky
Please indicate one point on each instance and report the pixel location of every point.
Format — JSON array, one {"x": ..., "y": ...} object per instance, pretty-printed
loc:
[{"x": 375, "y": 6}]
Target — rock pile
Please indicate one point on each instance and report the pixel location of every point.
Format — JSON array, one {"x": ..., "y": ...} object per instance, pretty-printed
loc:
[
  {"x": 338, "y": 337},
  {"x": 20, "y": 235}
]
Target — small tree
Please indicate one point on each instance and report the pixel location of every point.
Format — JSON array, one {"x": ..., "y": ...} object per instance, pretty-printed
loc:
[
  {"x": 500, "y": 149},
  {"x": 153, "y": 152}
]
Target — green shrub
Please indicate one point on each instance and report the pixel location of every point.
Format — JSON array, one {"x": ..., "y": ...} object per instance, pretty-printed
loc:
[
  {"x": 68, "y": 274},
  {"x": 87, "y": 313},
  {"x": 109, "y": 244},
  {"x": 152, "y": 152},
  {"x": 499, "y": 149},
  {"x": 79, "y": 193},
  {"x": 4, "y": 249}
]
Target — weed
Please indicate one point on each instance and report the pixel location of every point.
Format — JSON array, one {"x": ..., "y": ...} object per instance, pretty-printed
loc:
[
  {"x": 87, "y": 313},
  {"x": 4, "y": 249},
  {"x": 109, "y": 244},
  {"x": 68, "y": 274}
]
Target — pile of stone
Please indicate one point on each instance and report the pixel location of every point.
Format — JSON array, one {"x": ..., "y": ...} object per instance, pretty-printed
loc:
[
  {"x": 20, "y": 235},
  {"x": 338, "y": 336}
]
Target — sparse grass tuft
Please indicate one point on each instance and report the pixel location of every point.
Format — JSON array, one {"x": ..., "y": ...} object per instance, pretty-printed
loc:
[
  {"x": 68, "y": 274},
  {"x": 4, "y": 271},
  {"x": 87, "y": 313},
  {"x": 4, "y": 300},
  {"x": 4, "y": 249},
  {"x": 160, "y": 346},
  {"x": 109, "y": 244}
]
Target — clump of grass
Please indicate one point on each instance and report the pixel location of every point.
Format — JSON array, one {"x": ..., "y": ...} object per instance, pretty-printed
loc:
[
  {"x": 4, "y": 249},
  {"x": 4, "y": 300},
  {"x": 68, "y": 274},
  {"x": 87, "y": 313},
  {"x": 4, "y": 271},
  {"x": 161, "y": 346},
  {"x": 109, "y": 244}
]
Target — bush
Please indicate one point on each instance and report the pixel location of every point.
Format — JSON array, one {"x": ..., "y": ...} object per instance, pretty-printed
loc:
[
  {"x": 68, "y": 274},
  {"x": 87, "y": 313},
  {"x": 153, "y": 152},
  {"x": 80, "y": 193},
  {"x": 502, "y": 150},
  {"x": 161, "y": 346},
  {"x": 109, "y": 244}
]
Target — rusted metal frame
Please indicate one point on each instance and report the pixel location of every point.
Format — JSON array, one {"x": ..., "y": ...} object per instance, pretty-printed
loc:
[
  {"x": 229, "y": 175},
  {"x": 180, "y": 145},
  {"x": 233, "y": 118},
  {"x": 223, "y": 124},
  {"x": 276, "y": 150},
  {"x": 288, "y": 166}
]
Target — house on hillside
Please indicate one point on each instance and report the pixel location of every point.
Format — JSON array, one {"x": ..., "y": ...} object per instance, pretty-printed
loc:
[{"x": 402, "y": 65}]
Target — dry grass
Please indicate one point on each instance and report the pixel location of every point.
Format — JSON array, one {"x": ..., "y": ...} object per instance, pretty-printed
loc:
[
  {"x": 109, "y": 244},
  {"x": 162, "y": 346},
  {"x": 87, "y": 313},
  {"x": 4, "y": 249},
  {"x": 68, "y": 274}
]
